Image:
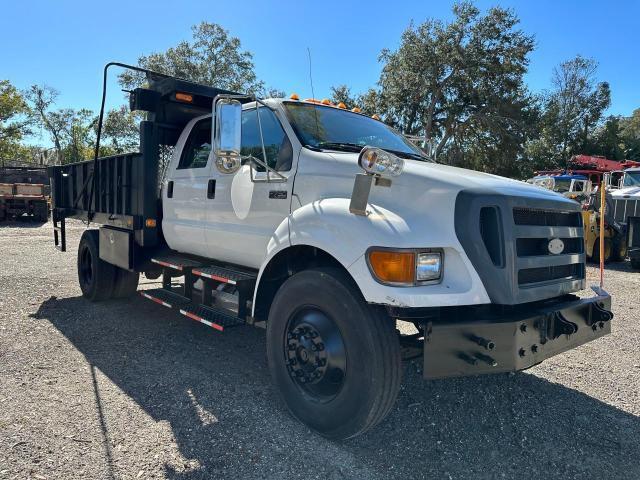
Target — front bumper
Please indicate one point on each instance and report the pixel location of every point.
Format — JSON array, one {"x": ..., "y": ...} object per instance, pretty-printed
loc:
[{"x": 513, "y": 341}]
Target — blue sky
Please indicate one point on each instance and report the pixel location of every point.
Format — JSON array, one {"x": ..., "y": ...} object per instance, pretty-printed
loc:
[{"x": 65, "y": 43}]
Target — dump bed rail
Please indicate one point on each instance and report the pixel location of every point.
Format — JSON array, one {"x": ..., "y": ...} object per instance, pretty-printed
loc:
[{"x": 124, "y": 193}]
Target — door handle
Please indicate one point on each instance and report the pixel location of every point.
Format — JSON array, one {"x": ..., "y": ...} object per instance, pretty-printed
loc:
[
  {"x": 211, "y": 189},
  {"x": 170, "y": 189}
]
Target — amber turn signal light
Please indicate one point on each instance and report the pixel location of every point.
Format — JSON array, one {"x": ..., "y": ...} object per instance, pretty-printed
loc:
[
  {"x": 393, "y": 267},
  {"x": 184, "y": 97}
]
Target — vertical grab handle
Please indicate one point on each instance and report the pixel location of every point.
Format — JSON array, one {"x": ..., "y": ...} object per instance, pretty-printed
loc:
[
  {"x": 211, "y": 189},
  {"x": 170, "y": 189}
]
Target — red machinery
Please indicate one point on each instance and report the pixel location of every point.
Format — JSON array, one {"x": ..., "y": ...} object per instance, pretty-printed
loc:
[{"x": 593, "y": 167}]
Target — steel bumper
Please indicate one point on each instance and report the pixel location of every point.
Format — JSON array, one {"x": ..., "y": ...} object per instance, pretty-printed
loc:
[{"x": 513, "y": 341}]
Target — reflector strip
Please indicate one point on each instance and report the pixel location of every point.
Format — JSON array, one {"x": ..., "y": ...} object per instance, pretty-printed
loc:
[
  {"x": 193, "y": 316},
  {"x": 154, "y": 299},
  {"x": 167, "y": 264},
  {"x": 214, "y": 277}
]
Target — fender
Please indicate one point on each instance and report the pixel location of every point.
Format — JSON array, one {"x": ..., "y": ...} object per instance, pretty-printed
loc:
[{"x": 328, "y": 225}]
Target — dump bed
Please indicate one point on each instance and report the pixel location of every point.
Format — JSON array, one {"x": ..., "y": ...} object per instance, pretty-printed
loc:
[{"x": 124, "y": 193}]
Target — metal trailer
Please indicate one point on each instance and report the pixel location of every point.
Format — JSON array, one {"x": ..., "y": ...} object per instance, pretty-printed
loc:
[
  {"x": 18, "y": 199},
  {"x": 624, "y": 215}
]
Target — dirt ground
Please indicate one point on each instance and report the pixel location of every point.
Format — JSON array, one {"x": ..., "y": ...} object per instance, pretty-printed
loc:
[{"x": 127, "y": 389}]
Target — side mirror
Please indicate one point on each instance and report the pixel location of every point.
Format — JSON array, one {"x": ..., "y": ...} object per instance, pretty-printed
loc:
[{"x": 227, "y": 134}]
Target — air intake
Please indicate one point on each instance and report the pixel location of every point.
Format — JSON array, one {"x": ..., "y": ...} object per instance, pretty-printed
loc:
[{"x": 491, "y": 233}]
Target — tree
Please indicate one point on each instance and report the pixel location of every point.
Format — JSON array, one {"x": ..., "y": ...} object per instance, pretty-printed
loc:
[
  {"x": 14, "y": 121},
  {"x": 630, "y": 135},
  {"x": 120, "y": 131},
  {"x": 455, "y": 80},
  {"x": 368, "y": 102},
  {"x": 212, "y": 57},
  {"x": 71, "y": 131},
  {"x": 42, "y": 97},
  {"x": 575, "y": 106}
]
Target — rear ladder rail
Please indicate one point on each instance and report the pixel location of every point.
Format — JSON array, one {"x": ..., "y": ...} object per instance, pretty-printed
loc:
[{"x": 59, "y": 232}]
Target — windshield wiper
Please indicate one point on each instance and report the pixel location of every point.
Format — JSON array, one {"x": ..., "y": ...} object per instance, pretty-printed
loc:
[
  {"x": 414, "y": 156},
  {"x": 341, "y": 146}
]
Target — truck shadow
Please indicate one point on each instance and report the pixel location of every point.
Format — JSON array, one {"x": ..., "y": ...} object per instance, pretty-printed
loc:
[
  {"x": 22, "y": 222},
  {"x": 215, "y": 392}
]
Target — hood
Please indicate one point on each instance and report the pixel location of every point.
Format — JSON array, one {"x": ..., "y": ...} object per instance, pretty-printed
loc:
[{"x": 427, "y": 175}]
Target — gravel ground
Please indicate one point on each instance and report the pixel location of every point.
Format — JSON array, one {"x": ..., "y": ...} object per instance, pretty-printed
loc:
[{"x": 125, "y": 389}]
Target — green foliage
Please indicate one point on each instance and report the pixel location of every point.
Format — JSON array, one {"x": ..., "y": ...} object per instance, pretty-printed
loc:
[
  {"x": 212, "y": 57},
  {"x": 457, "y": 82},
  {"x": 630, "y": 135},
  {"x": 14, "y": 122},
  {"x": 572, "y": 110},
  {"x": 120, "y": 131}
]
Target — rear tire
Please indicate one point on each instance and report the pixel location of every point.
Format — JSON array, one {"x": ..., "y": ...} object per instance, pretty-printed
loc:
[
  {"x": 96, "y": 277},
  {"x": 334, "y": 358},
  {"x": 126, "y": 283},
  {"x": 619, "y": 248}
]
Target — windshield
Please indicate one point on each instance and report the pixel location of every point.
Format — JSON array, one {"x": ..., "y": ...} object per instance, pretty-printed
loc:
[
  {"x": 330, "y": 128},
  {"x": 562, "y": 186},
  {"x": 631, "y": 179}
]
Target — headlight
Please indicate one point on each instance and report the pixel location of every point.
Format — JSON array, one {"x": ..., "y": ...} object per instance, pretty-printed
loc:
[
  {"x": 428, "y": 266},
  {"x": 405, "y": 267},
  {"x": 380, "y": 162}
]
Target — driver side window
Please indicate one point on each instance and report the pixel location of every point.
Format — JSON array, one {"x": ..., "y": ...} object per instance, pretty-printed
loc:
[
  {"x": 276, "y": 143},
  {"x": 198, "y": 147}
]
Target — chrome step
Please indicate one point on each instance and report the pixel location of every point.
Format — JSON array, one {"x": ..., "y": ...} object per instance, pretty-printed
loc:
[
  {"x": 225, "y": 275},
  {"x": 177, "y": 262},
  {"x": 165, "y": 297},
  {"x": 211, "y": 316}
]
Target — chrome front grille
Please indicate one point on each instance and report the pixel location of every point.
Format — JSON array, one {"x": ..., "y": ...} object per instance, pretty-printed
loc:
[
  {"x": 533, "y": 232},
  {"x": 546, "y": 218},
  {"x": 506, "y": 238}
]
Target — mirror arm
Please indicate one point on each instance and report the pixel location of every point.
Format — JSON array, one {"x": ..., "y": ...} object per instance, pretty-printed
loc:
[
  {"x": 266, "y": 167},
  {"x": 264, "y": 150}
]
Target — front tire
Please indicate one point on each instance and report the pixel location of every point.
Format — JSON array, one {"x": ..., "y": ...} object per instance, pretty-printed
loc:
[
  {"x": 334, "y": 358},
  {"x": 96, "y": 277}
]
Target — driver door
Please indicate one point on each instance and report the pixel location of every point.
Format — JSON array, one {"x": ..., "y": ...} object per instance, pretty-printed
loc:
[{"x": 243, "y": 216}]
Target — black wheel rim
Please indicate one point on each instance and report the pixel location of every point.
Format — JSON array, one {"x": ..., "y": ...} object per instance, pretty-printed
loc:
[
  {"x": 86, "y": 267},
  {"x": 315, "y": 354}
]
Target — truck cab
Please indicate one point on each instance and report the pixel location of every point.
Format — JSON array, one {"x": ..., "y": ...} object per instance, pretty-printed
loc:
[
  {"x": 575, "y": 187},
  {"x": 327, "y": 228}
]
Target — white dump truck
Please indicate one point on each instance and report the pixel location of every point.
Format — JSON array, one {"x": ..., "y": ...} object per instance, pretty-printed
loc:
[{"x": 327, "y": 228}]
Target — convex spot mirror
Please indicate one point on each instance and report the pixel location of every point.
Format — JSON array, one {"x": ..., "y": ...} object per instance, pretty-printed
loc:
[{"x": 227, "y": 134}]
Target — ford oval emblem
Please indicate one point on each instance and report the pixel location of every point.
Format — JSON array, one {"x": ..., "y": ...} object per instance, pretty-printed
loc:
[{"x": 555, "y": 246}]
